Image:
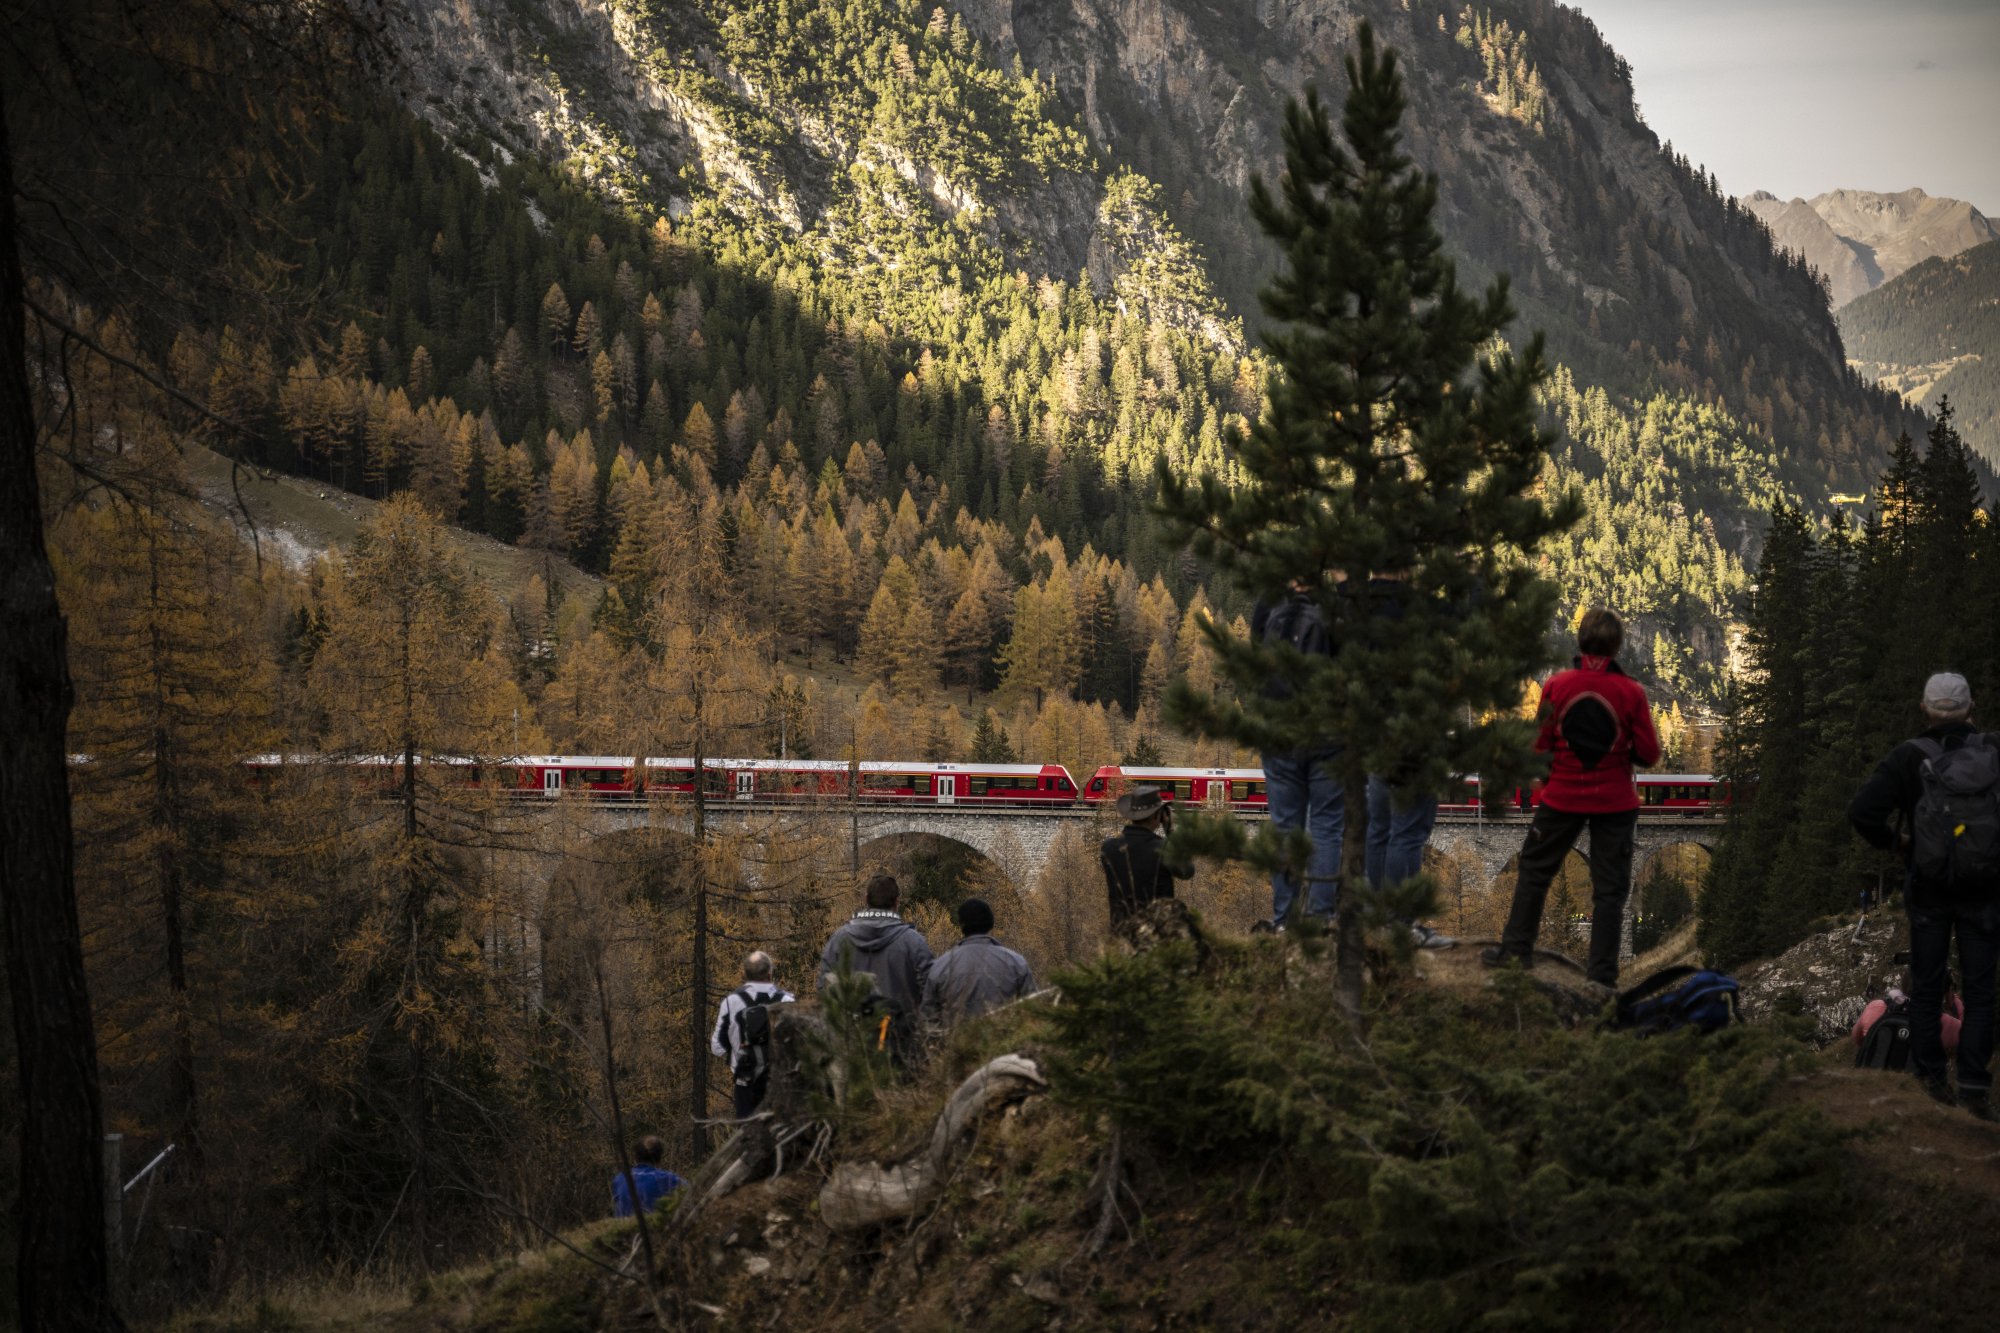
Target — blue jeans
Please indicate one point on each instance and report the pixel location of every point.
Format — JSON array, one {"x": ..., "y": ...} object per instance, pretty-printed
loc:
[
  {"x": 1931, "y": 928},
  {"x": 1397, "y": 834},
  {"x": 1304, "y": 793}
]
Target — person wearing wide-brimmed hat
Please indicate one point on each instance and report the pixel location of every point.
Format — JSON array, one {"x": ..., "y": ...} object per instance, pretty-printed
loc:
[{"x": 1135, "y": 870}]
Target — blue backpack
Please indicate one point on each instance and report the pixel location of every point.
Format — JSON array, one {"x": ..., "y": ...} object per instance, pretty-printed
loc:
[{"x": 1675, "y": 998}]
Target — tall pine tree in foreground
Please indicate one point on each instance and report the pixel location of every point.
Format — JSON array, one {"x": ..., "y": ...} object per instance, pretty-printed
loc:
[{"x": 1396, "y": 440}]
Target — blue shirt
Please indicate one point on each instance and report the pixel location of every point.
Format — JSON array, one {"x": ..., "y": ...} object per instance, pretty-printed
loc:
[{"x": 654, "y": 1183}]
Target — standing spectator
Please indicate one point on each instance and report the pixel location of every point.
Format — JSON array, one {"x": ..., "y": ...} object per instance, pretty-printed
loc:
[
  {"x": 1902, "y": 808},
  {"x": 1399, "y": 826},
  {"x": 976, "y": 974},
  {"x": 1595, "y": 725},
  {"x": 1398, "y": 832},
  {"x": 742, "y": 1035},
  {"x": 1300, "y": 788},
  {"x": 649, "y": 1179},
  {"x": 1136, "y": 870},
  {"x": 879, "y": 942}
]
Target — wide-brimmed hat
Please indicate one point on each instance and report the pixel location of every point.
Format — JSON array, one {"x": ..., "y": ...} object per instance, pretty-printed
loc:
[{"x": 1141, "y": 803}]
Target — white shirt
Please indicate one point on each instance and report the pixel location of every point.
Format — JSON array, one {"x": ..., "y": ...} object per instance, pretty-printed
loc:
[{"x": 723, "y": 1040}]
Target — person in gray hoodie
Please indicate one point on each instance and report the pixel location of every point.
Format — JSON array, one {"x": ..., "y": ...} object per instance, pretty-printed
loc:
[
  {"x": 976, "y": 974},
  {"x": 879, "y": 942}
]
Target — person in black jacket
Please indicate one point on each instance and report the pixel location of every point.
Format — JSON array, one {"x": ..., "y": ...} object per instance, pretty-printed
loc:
[
  {"x": 1883, "y": 813},
  {"x": 1135, "y": 872}
]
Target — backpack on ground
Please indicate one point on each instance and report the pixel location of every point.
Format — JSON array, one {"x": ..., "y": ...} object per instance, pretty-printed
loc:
[
  {"x": 1887, "y": 1043},
  {"x": 1955, "y": 837},
  {"x": 753, "y": 1036},
  {"x": 1676, "y": 998}
]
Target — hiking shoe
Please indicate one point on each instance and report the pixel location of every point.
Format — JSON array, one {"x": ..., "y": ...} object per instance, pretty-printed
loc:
[
  {"x": 1426, "y": 938},
  {"x": 1939, "y": 1089},
  {"x": 1980, "y": 1104},
  {"x": 1495, "y": 956}
]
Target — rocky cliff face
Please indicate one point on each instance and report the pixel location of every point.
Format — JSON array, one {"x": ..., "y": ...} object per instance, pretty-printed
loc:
[
  {"x": 1631, "y": 260},
  {"x": 1128, "y": 125},
  {"x": 638, "y": 99},
  {"x": 1861, "y": 239}
]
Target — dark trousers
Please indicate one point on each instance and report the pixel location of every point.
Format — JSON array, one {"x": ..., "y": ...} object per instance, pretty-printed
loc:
[
  {"x": 1931, "y": 930},
  {"x": 749, "y": 1097},
  {"x": 1550, "y": 838}
]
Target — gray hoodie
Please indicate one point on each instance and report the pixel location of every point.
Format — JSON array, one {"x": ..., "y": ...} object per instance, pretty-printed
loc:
[
  {"x": 975, "y": 975},
  {"x": 889, "y": 948}
]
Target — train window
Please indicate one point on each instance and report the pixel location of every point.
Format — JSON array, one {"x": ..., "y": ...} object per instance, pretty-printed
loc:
[
  {"x": 1096, "y": 785},
  {"x": 1256, "y": 789},
  {"x": 881, "y": 781},
  {"x": 1239, "y": 791},
  {"x": 922, "y": 783},
  {"x": 1184, "y": 790},
  {"x": 1063, "y": 784},
  {"x": 597, "y": 777},
  {"x": 976, "y": 786}
]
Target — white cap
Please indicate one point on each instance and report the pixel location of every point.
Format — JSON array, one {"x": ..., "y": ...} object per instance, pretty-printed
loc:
[{"x": 1946, "y": 695}]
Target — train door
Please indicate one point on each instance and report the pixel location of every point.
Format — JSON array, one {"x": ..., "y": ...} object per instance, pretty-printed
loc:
[
  {"x": 746, "y": 784},
  {"x": 947, "y": 789},
  {"x": 552, "y": 782}
]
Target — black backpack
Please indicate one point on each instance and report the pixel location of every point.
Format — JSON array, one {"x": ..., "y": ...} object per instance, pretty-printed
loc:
[
  {"x": 753, "y": 1036},
  {"x": 1675, "y": 998},
  {"x": 1887, "y": 1043},
  {"x": 1298, "y": 621},
  {"x": 1955, "y": 837}
]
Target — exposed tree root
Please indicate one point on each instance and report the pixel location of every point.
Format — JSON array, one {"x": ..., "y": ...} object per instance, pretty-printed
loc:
[{"x": 863, "y": 1194}]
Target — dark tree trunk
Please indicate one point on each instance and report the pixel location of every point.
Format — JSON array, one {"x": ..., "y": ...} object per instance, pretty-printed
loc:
[
  {"x": 698, "y": 1003},
  {"x": 181, "y": 1088},
  {"x": 64, "y": 1279},
  {"x": 1350, "y": 940}
]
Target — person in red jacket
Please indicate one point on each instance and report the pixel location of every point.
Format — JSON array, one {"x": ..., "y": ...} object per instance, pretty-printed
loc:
[{"x": 1595, "y": 725}]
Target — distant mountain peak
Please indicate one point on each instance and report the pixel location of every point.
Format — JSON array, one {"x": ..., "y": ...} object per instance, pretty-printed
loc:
[{"x": 1861, "y": 239}]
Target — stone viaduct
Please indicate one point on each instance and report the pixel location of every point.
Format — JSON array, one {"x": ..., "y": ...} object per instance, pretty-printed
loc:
[{"x": 1476, "y": 850}]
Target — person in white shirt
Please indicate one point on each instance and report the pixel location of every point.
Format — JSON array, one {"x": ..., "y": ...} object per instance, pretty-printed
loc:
[{"x": 742, "y": 1034}]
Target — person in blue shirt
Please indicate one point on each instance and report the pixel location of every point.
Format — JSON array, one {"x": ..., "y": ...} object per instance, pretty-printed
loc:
[{"x": 653, "y": 1181}]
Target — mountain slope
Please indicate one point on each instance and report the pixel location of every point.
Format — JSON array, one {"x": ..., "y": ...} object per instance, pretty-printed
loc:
[
  {"x": 1934, "y": 333},
  {"x": 1642, "y": 273},
  {"x": 1861, "y": 239}
]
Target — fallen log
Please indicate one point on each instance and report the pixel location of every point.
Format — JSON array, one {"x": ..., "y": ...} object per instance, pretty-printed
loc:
[{"x": 863, "y": 1194}]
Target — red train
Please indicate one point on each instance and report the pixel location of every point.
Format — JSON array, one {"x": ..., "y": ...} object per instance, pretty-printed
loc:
[
  {"x": 782, "y": 781},
  {"x": 614, "y": 777}
]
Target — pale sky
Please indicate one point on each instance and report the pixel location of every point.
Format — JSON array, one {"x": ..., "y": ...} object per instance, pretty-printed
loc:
[{"x": 1802, "y": 96}]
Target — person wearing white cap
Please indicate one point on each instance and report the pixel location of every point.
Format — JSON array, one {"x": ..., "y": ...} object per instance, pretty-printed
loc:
[{"x": 1935, "y": 799}]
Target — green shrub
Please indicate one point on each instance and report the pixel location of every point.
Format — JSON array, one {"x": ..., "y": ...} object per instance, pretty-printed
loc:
[{"x": 1471, "y": 1165}]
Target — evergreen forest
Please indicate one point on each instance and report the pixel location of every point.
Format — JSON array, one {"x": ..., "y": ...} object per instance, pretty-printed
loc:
[
  {"x": 1847, "y": 622},
  {"x": 1931, "y": 332}
]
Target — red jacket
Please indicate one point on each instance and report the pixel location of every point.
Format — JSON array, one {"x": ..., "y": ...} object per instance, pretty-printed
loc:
[{"x": 1595, "y": 726}]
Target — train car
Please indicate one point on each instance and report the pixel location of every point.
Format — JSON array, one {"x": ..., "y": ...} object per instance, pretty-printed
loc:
[
  {"x": 1230, "y": 788},
  {"x": 1240, "y": 789},
  {"x": 1695, "y": 793},
  {"x": 599, "y": 776},
  {"x": 917, "y": 782}
]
